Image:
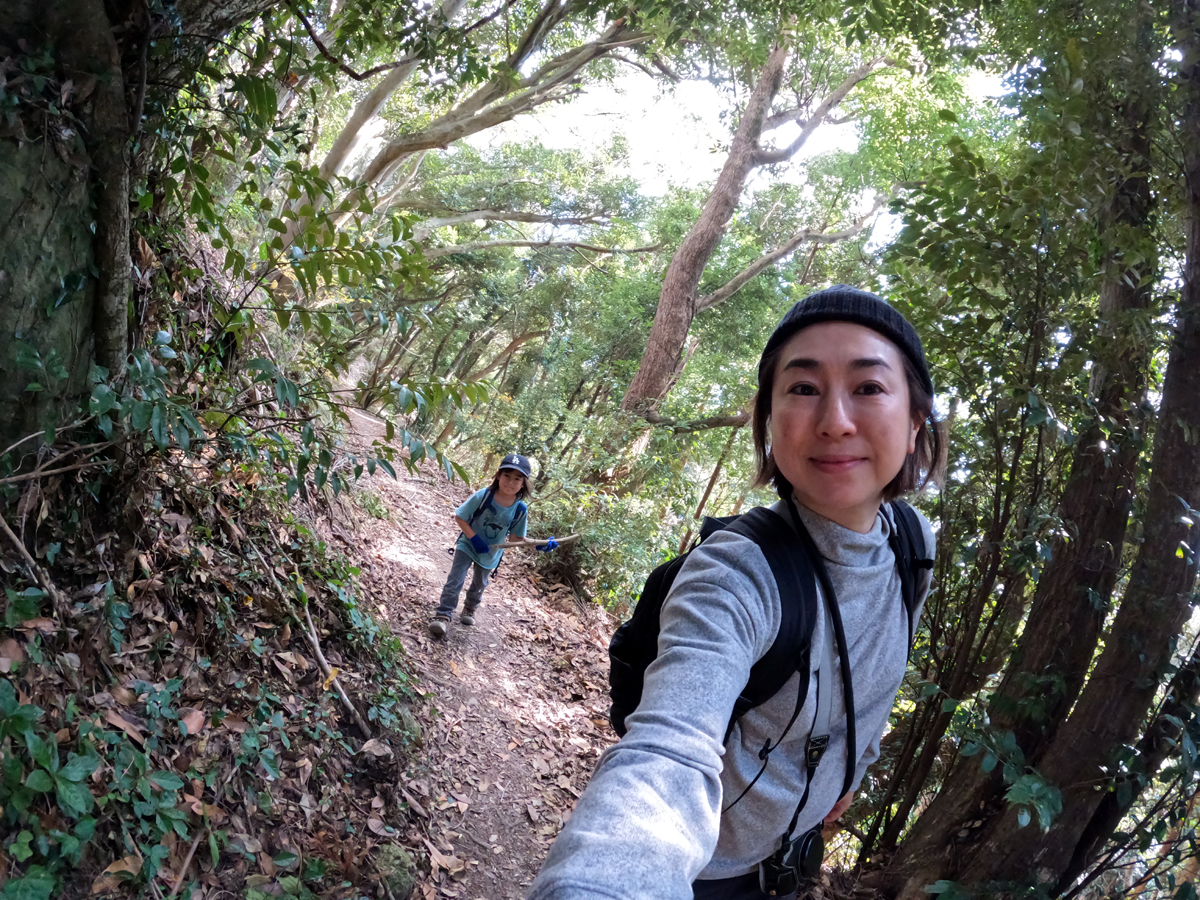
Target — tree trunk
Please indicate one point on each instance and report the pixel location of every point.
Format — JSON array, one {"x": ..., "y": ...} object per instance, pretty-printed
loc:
[
  {"x": 1157, "y": 743},
  {"x": 1157, "y": 601},
  {"x": 1112, "y": 708},
  {"x": 1050, "y": 663},
  {"x": 64, "y": 200},
  {"x": 677, "y": 301},
  {"x": 712, "y": 482}
]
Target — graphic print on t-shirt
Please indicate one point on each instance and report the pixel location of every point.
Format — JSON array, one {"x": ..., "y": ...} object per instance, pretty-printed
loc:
[{"x": 493, "y": 524}]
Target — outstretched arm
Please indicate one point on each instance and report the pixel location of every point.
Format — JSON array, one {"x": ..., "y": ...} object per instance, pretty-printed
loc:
[{"x": 647, "y": 823}]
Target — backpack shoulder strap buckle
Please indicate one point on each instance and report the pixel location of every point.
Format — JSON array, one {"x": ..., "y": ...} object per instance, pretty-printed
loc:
[{"x": 815, "y": 749}]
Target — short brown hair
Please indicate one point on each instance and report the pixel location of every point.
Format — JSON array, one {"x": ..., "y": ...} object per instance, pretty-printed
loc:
[{"x": 925, "y": 465}]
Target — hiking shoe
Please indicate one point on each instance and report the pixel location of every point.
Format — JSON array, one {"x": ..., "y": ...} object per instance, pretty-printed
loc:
[
  {"x": 467, "y": 617},
  {"x": 438, "y": 626}
]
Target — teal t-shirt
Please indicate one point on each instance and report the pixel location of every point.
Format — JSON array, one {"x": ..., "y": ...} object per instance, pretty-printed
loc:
[{"x": 494, "y": 524}]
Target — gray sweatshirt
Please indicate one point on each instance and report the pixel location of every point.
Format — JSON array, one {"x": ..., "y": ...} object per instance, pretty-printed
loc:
[{"x": 651, "y": 820}]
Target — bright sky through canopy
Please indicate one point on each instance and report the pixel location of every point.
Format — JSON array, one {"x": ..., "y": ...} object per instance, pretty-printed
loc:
[{"x": 675, "y": 136}]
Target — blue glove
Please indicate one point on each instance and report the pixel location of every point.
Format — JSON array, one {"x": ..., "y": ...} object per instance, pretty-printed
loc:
[
  {"x": 481, "y": 546},
  {"x": 550, "y": 544}
]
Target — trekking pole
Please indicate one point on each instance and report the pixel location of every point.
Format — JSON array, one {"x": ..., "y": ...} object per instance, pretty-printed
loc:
[{"x": 536, "y": 542}]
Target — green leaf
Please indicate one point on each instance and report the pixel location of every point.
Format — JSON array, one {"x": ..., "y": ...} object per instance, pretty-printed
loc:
[
  {"x": 166, "y": 781},
  {"x": 39, "y": 780},
  {"x": 36, "y": 884},
  {"x": 79, "y": 767},
  {"x": 8, "y": 698},
  {"x": 20, "y": 848},
  {"x": 139, "y": 416},
  {"x": 158, "y": 425},
  {"x": 73, "y": 797},
  {"x": 947, "y": 115},
  {"x": 44, "y": 753}
]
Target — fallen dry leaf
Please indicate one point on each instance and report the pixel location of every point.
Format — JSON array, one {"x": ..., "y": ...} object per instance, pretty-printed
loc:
[
  {"x": 206, "y": 810},
  {"x": 41, "y": 623},
  {"x": 248, "y": 843},
  {"x": 110, "y": 879},
  {"x": 180, "y": 522},
  {"x": 377, "y": 749},
  {"x": 376, "y": 825},
  {"x": 117, "y": 720},
  {"x": 333, "y": 673},
  {"x": 11, "y": 655},
  {"x": 123, "y": 695},
  {"x": 193, "y": 720},
  {"x": 413, "y": 804},
  {"x": 451, "y": 864}
]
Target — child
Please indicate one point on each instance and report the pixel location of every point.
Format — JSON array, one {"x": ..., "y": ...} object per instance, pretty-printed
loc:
[{"x": 490, "y": 516}]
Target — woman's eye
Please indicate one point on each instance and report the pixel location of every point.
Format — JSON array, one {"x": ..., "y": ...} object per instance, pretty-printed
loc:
[
  {"x": 804, "y": 389},
  {"x": 871, "y": 388}
]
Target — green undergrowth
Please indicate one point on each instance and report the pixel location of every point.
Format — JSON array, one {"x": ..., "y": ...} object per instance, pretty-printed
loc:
[{"x": 163, "y": 718}]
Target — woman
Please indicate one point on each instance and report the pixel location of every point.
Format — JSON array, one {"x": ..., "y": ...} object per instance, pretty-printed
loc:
[{"x": 842, "y": 424}]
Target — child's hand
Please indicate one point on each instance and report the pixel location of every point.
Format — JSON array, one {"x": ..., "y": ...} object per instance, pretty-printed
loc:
[
  {"x": 550, "y": 544},
  {"x": 480, "y": 545}
]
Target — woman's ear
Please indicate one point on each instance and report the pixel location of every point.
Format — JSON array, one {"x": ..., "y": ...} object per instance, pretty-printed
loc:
[{"x": 912, "y": 435}]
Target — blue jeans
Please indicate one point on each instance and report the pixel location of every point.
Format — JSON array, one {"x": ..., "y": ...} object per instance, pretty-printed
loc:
[{"x": 454, "y": 582}]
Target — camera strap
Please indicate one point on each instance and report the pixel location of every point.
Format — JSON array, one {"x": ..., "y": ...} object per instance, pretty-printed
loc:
[{"x": 818, "y": 740}]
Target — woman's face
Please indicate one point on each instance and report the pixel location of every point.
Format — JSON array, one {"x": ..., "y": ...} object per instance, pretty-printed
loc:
[
  {"x": 841, "y": 424},
  {"x": 511, "y": 481}
]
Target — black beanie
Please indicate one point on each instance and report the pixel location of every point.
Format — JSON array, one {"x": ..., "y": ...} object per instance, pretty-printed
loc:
[{"x": 843, "y": 303}]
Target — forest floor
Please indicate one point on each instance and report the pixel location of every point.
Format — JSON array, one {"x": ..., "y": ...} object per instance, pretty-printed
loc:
[{"x": 515, "y": 711}]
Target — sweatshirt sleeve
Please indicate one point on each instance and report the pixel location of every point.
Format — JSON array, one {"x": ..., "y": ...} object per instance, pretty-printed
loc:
[
  {"x": 647, "y": 823},
  {"x": 871, "y": 752}
]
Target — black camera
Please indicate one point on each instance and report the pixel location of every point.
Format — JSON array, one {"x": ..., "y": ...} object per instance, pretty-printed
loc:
[{"x": 794, "y": 864}]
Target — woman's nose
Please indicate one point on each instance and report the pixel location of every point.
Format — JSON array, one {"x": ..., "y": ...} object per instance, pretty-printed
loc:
[{"x": 835, "y": 419}]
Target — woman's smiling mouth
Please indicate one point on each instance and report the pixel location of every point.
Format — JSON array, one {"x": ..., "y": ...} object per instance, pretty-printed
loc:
[{"x": 836, "y": 463}]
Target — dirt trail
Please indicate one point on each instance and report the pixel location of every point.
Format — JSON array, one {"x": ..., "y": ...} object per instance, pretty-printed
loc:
[{"x": 522, "y": 695}]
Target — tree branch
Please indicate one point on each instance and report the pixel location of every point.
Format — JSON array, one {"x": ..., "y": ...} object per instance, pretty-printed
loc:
[
  {"x": 504, "y": 354},
  {"x": 637, "y": 65},
  {"x": 423, "y": 229},
  {"x": 735, "y": 420},
  {"x": 768, "y": 259},
  {"x": 659, "y": 63},
  {"x": 342, "y": 67},
  {"x": 435, "y": 252},
  {"x": 819, "y": 116},
  {"x": 549, "y": 82}
]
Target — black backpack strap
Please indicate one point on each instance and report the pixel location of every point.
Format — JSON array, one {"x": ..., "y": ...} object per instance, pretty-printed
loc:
[
  {"x": 483, "y": 504},
  {"x": 797, "y": 614},
  {"x": 908, "y": 543},
  {"x": 790, "y": 652}
]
